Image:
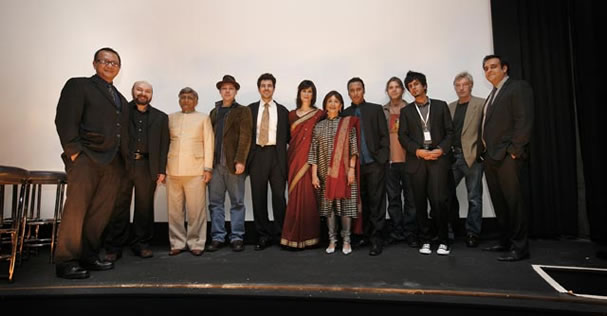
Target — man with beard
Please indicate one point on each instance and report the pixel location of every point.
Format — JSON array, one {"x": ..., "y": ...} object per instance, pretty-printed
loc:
[{"x": 146, "y": 163}]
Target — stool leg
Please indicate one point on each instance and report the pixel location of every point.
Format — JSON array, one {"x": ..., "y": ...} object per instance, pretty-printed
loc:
[
  {"x": 25, "y": 190},
  {"x": 11, "y": 265}
]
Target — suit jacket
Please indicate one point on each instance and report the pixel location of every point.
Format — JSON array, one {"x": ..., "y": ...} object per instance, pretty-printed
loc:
[
  {"x": 236, "y": 134},
  {"x": 411, "y": 131},
  {"x": 509, "y": 121},
  {"x": 472, "y": 121},
  {"x": 283, "y": 135},
  {"x": 375, "y": 129},
  {"x": 192, "y": 144},
  {"x": 89, "y": 121},
  {"x": 158, "y": 141}
]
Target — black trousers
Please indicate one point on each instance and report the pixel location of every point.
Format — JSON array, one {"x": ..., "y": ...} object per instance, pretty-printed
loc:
[
  {"x": 505, "y": 189},
  {"x": 430, "y": 183},
  {"x": 117, "y": 233},
  {"x": 263, "y": 169},
  {"x": 373, "y": 197},
  {"x": 91, "y": 193}
]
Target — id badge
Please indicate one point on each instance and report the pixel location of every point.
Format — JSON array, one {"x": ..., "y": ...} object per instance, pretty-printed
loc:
[{"x": 427, "y": 137}]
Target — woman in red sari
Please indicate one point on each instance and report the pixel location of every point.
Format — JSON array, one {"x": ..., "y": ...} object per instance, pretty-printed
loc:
[{"x": 302, "y": 222}]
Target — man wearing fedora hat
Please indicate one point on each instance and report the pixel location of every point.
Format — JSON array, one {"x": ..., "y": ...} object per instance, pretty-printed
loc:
[{"x": 232, "y": 124}]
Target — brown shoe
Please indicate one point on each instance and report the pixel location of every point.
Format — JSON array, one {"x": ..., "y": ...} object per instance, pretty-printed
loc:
[
  {"x": 146, "y": 253},
  {"x": 196, "y": 252},
  {"x": 175, "y": 252}
]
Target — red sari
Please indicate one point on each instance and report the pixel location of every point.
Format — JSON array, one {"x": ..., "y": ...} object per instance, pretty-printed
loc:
[{"x": 302, "y": 222}]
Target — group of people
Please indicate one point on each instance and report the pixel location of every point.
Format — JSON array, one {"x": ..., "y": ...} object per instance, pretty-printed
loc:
[{"x": 333, "y": 161}]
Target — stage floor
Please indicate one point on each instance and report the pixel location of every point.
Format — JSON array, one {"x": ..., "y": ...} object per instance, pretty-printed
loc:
[{"x": 468, "y": 277}]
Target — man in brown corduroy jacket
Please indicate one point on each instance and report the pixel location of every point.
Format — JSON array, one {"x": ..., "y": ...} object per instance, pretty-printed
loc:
[{"x": 232, "y": 125}]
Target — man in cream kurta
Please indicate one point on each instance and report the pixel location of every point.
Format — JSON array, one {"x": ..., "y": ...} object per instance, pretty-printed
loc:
[{"x": 189, "y": 169}]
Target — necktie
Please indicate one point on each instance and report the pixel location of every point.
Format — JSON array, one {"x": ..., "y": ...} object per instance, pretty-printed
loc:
[
  {"x": 487, "y": 105},
  {"x": 265, "y": 126},
  {"x": 114, "y": 96}
]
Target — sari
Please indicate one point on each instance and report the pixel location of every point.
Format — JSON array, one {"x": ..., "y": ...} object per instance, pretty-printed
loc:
[{"x": 301, "y": 226}]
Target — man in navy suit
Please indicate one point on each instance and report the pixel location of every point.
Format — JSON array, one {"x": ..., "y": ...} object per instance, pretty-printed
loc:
[
  {"x": 92, "y": 123},
  {"x": 505, "y": 131},
  {"x": 267, "y": 161}
]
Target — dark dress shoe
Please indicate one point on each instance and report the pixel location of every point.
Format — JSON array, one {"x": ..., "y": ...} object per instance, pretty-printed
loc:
[
  {"x": 71, "y": 271},
  {"x": 237, "y": 245},
  {"x": 197, "y": 252},
  {"x": 262, "y": 244},
  {"x": 376, "y": 249},
  {"x": 143, "y": 252},
  {"x": 97, "y": 265},
  {"x": 413, "y": 242},
  {"x": 214, "y": 246},
  {"x": 496, "y": 248},
  {"x": 514, "y": 255},
  {"x": 471, "y": 241},
  {"x": 112, "y": 256},
  {"x": 174, "y": 252}
]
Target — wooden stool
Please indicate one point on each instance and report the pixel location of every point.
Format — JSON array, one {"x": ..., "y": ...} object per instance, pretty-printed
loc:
[
  {"x": 31, "y": 236},
  {"x": 12, "y": 225}
]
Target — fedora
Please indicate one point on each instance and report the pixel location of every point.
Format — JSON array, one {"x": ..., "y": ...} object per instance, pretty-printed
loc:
[{"x": 228, "y": 79}]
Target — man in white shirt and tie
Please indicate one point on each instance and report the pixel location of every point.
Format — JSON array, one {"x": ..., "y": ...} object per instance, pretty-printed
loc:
[{"x": 267, "y": 161}]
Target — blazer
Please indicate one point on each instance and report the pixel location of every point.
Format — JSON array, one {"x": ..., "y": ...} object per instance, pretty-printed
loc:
[
  {"x": 509, "y": 121},
  {"x": 158, "y": 141},
  {"x": 411, "y": 131},
  {"x": 472, "y": 121},
  {"x": 283, "y": 135},
  {"x": 375, "y": 129},
  {"x": 236, "y": 134},
  {"x": 88, "y": 121},
  {"x": 191, "y": 146}
]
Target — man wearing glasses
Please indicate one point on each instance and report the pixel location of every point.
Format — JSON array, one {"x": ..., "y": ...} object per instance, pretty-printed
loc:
[{"x": 91, "y": 121}]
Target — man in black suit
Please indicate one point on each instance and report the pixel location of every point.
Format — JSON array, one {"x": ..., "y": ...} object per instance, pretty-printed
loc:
[
  {"x": 426, "y": 133},
  {"x": 146, "y": 165},
  {"x": 374, "y": 154},
  {"x": 267, "y": 161},
  {"x": 91, "y": 121},
  {"x": 505, "y": 131}
]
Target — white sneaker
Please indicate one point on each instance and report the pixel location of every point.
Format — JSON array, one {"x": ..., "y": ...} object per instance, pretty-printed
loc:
[
  {"x": 346, "y": 248},
  {"x": 330, "y": 249},
  {"x": 443, "y": 250},
  {"x": 425, "y": 249}
]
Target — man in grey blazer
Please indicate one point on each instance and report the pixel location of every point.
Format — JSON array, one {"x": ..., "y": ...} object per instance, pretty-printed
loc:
[{"x": 466, "y": 113}]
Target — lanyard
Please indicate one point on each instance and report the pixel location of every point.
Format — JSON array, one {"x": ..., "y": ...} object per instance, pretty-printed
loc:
[{"x": 425, "y": 121}]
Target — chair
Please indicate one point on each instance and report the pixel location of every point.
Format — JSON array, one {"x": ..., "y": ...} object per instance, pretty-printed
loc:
[
  {"x": 12, "y": 225},
  {"x": 32, "y": 237}
]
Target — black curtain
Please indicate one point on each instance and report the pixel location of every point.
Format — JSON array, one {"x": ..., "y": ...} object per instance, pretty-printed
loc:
[
  {"x": 589, "y": 78},
  {"x": 550, "y": 44}
]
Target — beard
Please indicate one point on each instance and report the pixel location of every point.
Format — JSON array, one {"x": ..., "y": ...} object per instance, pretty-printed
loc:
[{"x": 142, "y": 100}]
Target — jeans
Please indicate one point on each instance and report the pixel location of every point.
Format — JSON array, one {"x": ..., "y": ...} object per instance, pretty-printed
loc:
[
  {"x": 474, "y": 187},
  {"x": 223, "y": 180},
  {"x": 397, "y": 187}
]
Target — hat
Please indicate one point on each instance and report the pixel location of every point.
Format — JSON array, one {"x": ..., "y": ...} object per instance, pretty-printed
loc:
[{"x": 228, "y": 79}]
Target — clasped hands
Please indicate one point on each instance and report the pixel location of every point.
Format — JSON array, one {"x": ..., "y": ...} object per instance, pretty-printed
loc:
[{"x": 429, "y": 154}]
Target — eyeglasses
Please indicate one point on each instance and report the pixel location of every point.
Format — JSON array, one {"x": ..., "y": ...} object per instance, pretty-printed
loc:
[{"x": 108, "y": 62}]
